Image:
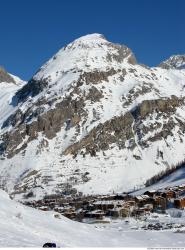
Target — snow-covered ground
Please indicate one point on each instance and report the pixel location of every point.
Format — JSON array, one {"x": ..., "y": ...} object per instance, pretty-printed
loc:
[
  {"x": 22, "y": 226},
  {"x": 176, "y": 178}
]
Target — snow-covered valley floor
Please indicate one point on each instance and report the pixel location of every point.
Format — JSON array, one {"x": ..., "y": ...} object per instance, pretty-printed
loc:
[{"x": 22, "y": 226}]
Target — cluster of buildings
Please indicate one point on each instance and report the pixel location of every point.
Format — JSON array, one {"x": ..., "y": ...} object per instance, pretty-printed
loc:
[
  {"x": 162, "y": 199},
  {"x": 114, "y": 206}
]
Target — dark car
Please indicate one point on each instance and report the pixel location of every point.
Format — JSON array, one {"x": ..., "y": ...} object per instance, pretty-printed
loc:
[{"x": 48, "y": 244}]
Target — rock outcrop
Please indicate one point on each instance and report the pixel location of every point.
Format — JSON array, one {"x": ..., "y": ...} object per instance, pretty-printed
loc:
[
  {"x": 5, "y": 77},
  {"x": 174, "y": 62}
]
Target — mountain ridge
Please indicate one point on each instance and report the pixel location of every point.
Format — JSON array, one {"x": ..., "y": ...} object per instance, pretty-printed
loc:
[{"x": 174, "y": 62}]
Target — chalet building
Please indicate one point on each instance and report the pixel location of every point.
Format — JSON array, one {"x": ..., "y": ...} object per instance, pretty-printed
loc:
[
  {"x": 131, "y": 203},
  {"x": 150, "y": 193},
  {"x": 141, "y": 200},
  {"x": 160, "y": 203},
  {"x": 153, "y": 193},
  {"x": 158, "y": 193},
  {"x": 106, "y": 204},
  {"x": 139, "y": 212},
  {"x": 123, "y": 196},
  {"x": 90, "y": 207},
  {"x": 179, "y": 203},
  {"x": 148, "y": 207},
  {"x": 113, "y": 213},
  {"x": 59, "y": 209},
  {"x": 119, "y": 212},
  {"x": 70, "y": 214},
  {"x": 176, "y": 191},
  {"x": 97, "y": 214},
  {"x": 125, "y": 211},
  {"x": 169, "y": 194},
  {"x": 84, "y": 204},
  {"x": 77, "y": 204},
  {"x": 103, "y": 205},
  {"x": 44, "y": 208}
]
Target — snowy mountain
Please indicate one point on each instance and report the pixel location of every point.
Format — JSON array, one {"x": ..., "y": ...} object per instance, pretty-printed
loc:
[
  {"x": 92, "y": 120},
  {"x": 174, "y": 62}
]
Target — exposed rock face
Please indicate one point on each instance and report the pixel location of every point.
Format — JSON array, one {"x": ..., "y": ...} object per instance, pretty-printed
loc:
[
  {"x": 32, "y": 88},
  {"x": 174, "y": 62},
  {"x": 118, "y": 130},
  {"x": 94, "y": 94},
  {"x": 48, "y": 123},
  {"x": 161, "y": 105},
  {"x": 121, "y": 129},
  {"x": 162, "y": 110},
  {"x": 92, "y": 109},
  {"x": 5, "y": 77},
  {"x": 122, "y": 53},
  {"x": 97, "y": 76}
]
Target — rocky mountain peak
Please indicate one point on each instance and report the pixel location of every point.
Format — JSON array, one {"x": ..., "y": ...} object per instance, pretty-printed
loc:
[
  {"x": 87, "y": 54},
  {"x": 174, "y": 62},
  {"x": 5, "y": 77}
]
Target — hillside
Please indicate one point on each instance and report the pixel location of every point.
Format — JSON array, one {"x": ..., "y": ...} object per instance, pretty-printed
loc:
[{"x": 176, "y": 178}]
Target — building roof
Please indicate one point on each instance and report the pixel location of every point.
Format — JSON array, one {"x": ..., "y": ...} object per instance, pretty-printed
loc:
[
  {"x": 151, "y": 191},
  {"x": 142, "y": 197},
  {"x": 96, "y": 212},
  {"x": 108, "y": 202}
]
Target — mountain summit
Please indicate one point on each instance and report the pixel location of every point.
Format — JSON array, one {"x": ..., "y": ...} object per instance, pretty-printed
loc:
[
  {"x": 87, "y": 54},
  {"x": 174, "y": 62},
  {"x": 92, "y": 120}
]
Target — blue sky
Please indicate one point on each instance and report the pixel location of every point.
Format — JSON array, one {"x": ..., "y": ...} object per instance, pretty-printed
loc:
[{"x": 33, "y": 30}]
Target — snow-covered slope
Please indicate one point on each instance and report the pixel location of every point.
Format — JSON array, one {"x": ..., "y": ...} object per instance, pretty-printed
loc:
[
  {"x": 176, "y": 178},
  {"x": 7, "y": 91},
  {"x": 92, "y": 120},
  {"x": 22, "y": 226}
]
